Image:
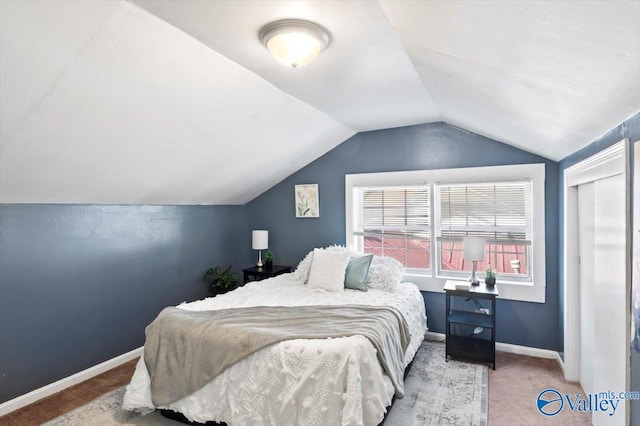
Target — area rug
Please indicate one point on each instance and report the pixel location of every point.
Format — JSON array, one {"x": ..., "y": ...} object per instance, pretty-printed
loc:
[
  {"x": 436, "y": 393},
  {"x": 441, "y": 393}
]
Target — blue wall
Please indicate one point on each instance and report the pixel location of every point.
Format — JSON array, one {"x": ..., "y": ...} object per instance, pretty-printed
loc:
[
  {"x": 79, "y": 283},
  {"x": 427, "y": 146},
  {"x": 630, "y": 129}
]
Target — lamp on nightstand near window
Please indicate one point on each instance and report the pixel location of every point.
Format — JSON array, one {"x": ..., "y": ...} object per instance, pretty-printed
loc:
[
  {"x": 260, "y": 241},
  {"x": 473, "y": 250}
]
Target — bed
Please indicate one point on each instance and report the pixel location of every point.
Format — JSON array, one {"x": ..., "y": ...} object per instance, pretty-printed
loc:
[{"x": 336, "y": 381}]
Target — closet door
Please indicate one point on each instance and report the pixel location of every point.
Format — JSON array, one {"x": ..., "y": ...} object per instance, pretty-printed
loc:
[
  {"x": 587, "y": 305},
  {"x": 601, "y": 221}
]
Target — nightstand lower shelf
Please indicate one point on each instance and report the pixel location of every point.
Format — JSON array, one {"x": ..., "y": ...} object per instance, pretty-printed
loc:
[{"x": 470, "y": 348}]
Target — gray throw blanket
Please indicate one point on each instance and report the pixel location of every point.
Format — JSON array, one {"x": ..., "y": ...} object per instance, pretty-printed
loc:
[{"x": 185, "y": 350}]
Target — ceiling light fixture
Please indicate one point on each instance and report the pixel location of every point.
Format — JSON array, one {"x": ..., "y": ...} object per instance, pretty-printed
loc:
[{"x": 294, "y": 42}]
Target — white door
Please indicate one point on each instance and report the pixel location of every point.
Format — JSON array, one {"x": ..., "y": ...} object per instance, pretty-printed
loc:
[
  {"x": 601, "y": 221},
  {"x": 586, "y": 228}
]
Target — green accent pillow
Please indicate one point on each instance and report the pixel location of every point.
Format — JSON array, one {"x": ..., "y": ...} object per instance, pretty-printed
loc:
[{"x": 355, "y": 276}]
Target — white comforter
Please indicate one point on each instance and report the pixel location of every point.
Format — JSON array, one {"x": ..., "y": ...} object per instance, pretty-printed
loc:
[{"x": 297, "y": 382}]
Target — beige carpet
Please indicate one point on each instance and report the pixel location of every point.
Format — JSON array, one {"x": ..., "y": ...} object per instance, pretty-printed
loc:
[{"x": 514, "y": 388}]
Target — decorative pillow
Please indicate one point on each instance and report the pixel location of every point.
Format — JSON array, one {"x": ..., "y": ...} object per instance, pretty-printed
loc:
[
  {"x": 385, "y": 273},
  {"x": 338, "y": 247},
  {"x": 356, "y": 272},
  {"x": 304, "y": 267},
  {"x": 328, "y": 269}
]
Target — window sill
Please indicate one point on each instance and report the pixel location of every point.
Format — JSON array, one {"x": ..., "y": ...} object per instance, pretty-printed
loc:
[{"x": 508, "y": 290}]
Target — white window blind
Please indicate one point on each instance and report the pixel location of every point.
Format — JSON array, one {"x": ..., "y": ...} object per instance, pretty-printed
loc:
[
  {"x": 394, "y": 222},
  {"x": 501, "y": 212}
]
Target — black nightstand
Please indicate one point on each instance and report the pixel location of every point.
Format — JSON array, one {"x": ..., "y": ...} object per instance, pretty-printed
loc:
[
  {"x": 461, "y": 343},
  {"x": 262, "y": 273}
]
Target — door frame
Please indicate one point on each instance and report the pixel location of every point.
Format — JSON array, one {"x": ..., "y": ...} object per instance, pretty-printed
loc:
[{"x": 609, "y": 162}]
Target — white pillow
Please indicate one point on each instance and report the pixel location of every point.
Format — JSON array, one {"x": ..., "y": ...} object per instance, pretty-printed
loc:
[
  {"x": 304, "y": 267},
  {"x": 338, "y": 247},
  {"x": 328, "y": 269},
  {"x": 385, "y": 273}
]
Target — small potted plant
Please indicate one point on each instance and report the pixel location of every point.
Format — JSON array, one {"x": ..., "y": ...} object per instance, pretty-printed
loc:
[
  {"x": 268, "y": 260},
  {"x": 489, "y": 276},
  {"x": 220, "y": 280}
]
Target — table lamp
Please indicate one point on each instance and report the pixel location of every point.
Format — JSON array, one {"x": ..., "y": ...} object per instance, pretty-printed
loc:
[
  {"x": 260, "y": 241},
  {"x": 473, "y": 250}
]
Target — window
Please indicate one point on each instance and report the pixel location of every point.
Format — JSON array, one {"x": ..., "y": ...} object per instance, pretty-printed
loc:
[
  {"x": 394, "y": 222},
  {"x": 501, "y": 212},
  {"x": 421, "y": 217}
]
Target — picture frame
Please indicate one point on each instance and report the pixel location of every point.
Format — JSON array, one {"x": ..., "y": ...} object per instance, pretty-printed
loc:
[{"x": 307, "y": 201}]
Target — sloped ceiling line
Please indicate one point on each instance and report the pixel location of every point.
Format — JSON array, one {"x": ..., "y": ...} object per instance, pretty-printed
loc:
[{"x": 135, "y": 102}]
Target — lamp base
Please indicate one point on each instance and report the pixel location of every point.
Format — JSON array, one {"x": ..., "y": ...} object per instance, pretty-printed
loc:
[
  {"x": 473, "y": 279},
  {"x": 259, "y": 264}
]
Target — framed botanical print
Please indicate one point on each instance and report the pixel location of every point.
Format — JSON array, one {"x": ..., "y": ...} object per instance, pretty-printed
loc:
[{"x": 307, "y": 201}]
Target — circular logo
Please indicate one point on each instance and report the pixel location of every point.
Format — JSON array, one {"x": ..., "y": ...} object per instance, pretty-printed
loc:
[{"x": 550, "y": 402}]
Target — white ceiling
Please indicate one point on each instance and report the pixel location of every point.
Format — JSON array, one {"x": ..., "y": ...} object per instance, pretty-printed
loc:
[{"x": 177, "y": 102}]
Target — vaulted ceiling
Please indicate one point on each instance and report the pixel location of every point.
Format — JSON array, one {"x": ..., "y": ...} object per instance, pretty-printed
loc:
[{"x": 177, "y": 102}]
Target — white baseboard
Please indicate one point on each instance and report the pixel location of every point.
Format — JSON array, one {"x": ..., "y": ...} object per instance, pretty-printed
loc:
[
  {"x": 561, "y": 364},
  {"x": 526, "y": 350},
  {"x": 509, "y": 348},
  {"x": 43, "y": 392}
]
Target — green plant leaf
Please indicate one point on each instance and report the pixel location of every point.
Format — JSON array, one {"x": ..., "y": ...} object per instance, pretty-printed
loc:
[{"x": 220, "y": 280}]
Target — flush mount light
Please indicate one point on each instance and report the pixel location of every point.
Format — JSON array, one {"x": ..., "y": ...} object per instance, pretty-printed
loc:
[{"x": 294, "y": 42}]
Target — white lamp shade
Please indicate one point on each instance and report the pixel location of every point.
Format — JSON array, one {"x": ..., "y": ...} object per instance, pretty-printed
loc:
[
  {"x": 473, "y": 248},
  {"x": 260, "y": 240}
]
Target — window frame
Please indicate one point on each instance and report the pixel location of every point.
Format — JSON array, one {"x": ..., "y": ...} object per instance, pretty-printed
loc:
[{"x": 534, "y": 291}]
